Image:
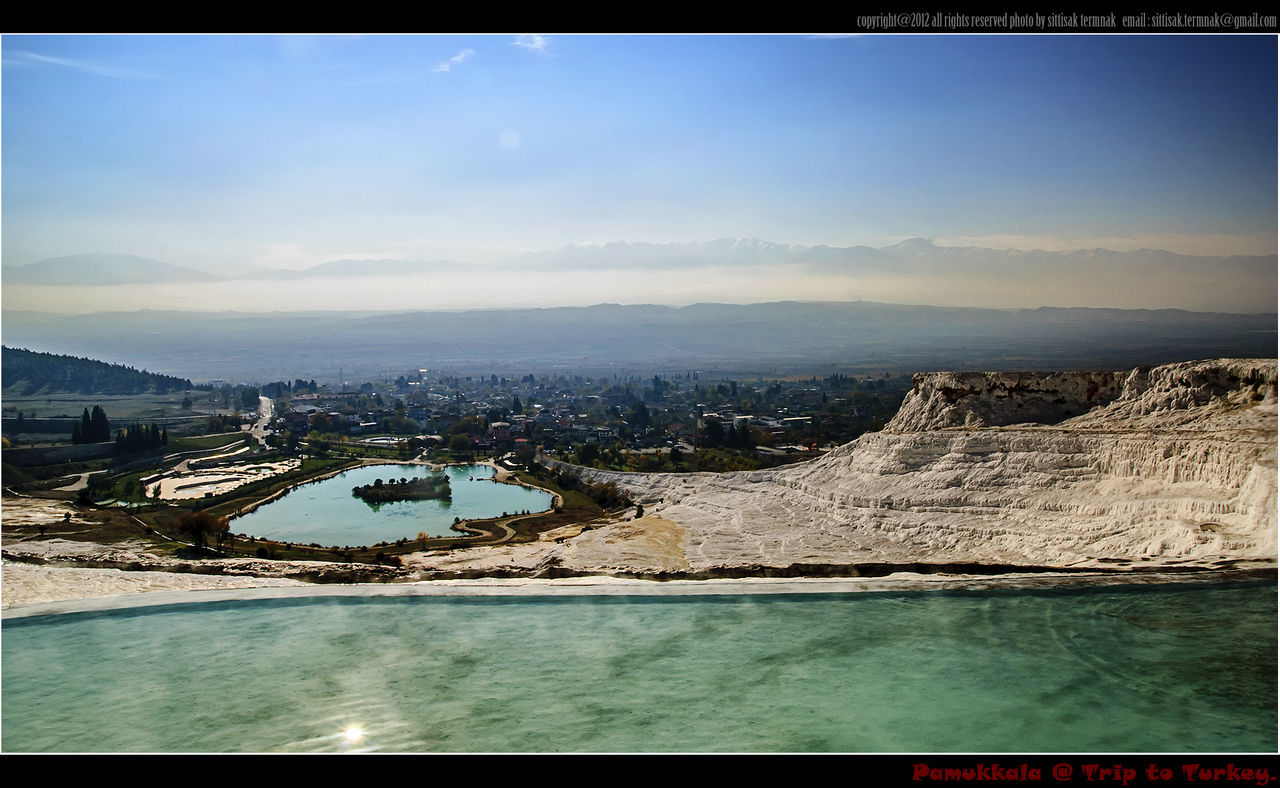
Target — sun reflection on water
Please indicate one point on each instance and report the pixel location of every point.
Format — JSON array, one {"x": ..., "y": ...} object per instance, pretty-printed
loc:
[{"x": 353, "y": 739}]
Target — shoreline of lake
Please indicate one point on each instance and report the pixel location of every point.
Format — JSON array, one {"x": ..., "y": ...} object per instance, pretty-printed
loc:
[{"x": 470, "y": 508}]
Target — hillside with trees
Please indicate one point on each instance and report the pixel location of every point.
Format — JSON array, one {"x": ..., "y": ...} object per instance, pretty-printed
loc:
[{"x": 27, "y": 372}]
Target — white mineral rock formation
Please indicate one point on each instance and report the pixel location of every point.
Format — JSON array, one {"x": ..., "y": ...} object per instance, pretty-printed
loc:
[{"x": 1171, "y": 465}]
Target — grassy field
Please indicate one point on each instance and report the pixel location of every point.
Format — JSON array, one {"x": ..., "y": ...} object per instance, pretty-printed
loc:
[
  {"x": 206, "y": 442},
  {"x": 119, "y": 407},
  {"x": 126, "y": 487},
  {"x": 352, "y": 449}
]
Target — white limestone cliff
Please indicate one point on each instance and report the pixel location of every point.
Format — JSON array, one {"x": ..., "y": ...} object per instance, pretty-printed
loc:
[{"x": 1163, "y": 466}]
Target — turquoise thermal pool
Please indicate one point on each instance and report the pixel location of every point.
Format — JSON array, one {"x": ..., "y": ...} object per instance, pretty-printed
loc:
[{"x": 1157, "y": 668}]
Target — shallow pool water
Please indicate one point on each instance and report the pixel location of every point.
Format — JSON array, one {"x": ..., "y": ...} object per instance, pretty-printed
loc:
[
  {"x": 326, "y": 512},
  {"x": 1168, "y": 668}
]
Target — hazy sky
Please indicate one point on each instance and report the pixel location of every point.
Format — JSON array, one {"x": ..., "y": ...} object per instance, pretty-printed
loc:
[{"x": 243, "y": 152}]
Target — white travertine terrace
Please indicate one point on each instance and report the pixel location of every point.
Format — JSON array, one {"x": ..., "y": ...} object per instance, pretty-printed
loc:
[{"x": 1171, "y": 465}]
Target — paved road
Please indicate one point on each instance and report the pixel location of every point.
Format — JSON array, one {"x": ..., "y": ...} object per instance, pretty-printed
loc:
[{"x": 261, "y": 428}]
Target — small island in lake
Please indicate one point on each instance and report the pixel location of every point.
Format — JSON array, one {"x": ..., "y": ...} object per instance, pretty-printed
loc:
[{"x": 420, "y": 489}]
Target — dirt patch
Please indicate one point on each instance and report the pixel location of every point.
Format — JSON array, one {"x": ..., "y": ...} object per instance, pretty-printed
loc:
[{"x": 650, "y": 543}]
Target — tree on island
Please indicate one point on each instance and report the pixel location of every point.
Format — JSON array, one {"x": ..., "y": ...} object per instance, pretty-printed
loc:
[{"x": 419, "y": 489}]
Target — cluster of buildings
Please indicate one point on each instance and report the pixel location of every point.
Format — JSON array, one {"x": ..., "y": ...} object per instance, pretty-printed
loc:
[{"x": 634, "y": 413}]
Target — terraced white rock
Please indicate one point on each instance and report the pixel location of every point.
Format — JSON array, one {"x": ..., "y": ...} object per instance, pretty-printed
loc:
[{"x": 1167, "y": 465}]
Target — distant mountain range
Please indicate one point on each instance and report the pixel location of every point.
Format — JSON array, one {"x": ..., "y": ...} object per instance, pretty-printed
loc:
[
  {"x": 352, "y": 268},
  {"x": 88, "y": 270},
  {"x": 914, "y": 256},
  {"x": 83, "y": 270}
]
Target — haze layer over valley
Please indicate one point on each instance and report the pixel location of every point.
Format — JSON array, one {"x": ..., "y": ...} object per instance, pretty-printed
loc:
[
  {"x": 915, "y": 271},
  {"x": 752, "y": 339}
]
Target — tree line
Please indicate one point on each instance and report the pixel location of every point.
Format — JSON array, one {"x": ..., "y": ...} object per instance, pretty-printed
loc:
[
  {"x": 283, "y": 388},
  {"x": 141, "y": 437},
  {"x": 95, "y": 427},
  {"x": 92, "y": 427}
]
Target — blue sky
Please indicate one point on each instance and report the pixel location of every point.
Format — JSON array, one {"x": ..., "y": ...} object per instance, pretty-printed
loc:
[{"x": 244, "y": 152}]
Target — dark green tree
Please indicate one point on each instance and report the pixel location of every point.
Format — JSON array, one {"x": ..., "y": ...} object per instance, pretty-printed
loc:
[
  {"x": 638, "y": 416},
  {"x": 588, "y": 453},
  {"x": 525, "y": 453},
  {"x": 93, "y": 428},
  {"x": 101, "y": 427},
  {"x": 199, "y": 525}
]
